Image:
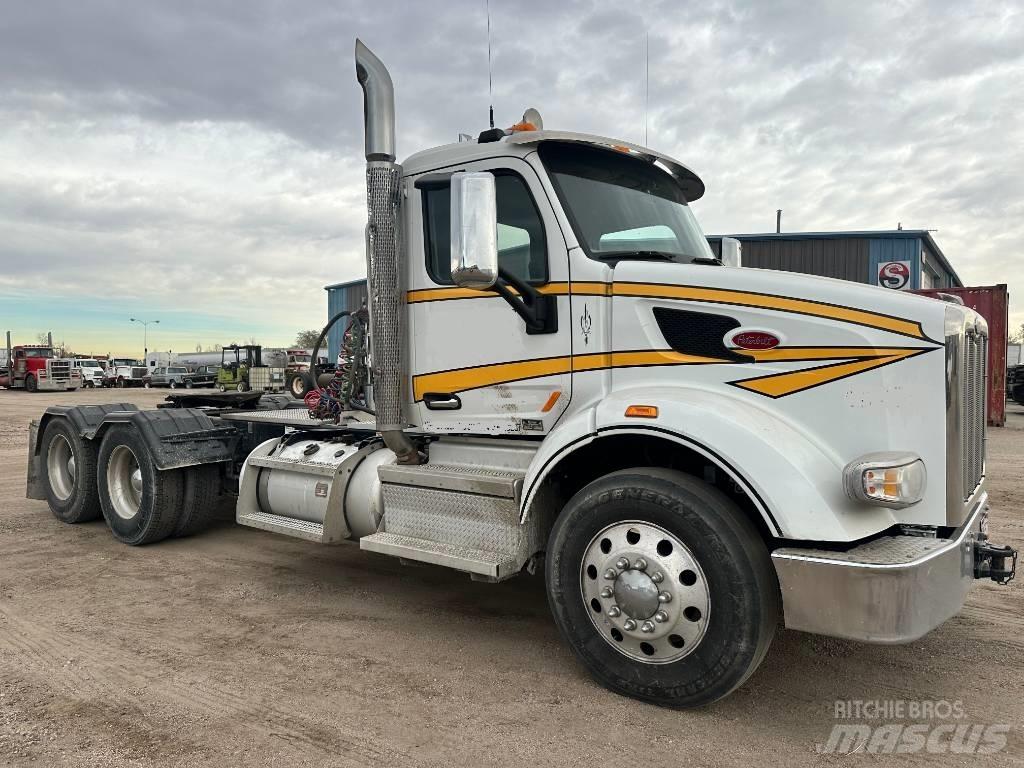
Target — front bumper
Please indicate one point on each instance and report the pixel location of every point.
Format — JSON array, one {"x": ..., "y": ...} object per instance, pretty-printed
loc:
[{"x": 890, "y": 590}]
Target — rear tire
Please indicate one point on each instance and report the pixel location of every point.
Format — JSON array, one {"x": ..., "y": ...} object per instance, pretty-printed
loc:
[
  {"x": 726, "y": 569},
  {"x": 69, "y": 463},
  {"x": 199, "y": 508},
  {"x": 140, "y": 503},
  {"x": 298, "y": 387},
  {"x": 241, "y": 387}
]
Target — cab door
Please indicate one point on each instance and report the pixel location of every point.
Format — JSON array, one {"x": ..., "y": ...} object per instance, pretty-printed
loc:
[{"x": 475, "y": 368}]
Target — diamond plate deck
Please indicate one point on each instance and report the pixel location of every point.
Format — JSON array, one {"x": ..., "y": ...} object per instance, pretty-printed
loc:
[
  {"x": 890, "y": 550},
  {"x": 295, "y": 417}
]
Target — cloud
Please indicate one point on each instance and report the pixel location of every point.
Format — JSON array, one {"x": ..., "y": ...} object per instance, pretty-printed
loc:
[{"x": 202, "y": 155}]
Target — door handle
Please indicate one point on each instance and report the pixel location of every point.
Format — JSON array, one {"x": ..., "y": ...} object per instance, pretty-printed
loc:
[{"x": 442, "y": 401}]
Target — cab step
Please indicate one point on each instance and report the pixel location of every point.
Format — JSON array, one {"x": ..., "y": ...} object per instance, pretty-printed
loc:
[
  {"x": 484, "y": 481},
  {"x": 492, "y": 566},
  {"x": 289, "y": 526}
]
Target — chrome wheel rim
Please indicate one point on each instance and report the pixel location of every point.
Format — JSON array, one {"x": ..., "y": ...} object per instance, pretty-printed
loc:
[
  {"x": 645, "y": 592},
  {"x": 60, "y": 466},
  {"x": 124, "y": 482}
]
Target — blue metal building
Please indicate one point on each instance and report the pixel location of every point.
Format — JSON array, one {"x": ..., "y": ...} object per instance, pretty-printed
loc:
[
  {"x": 905, "y": 259},
  {"x": 350, "y": 295}
]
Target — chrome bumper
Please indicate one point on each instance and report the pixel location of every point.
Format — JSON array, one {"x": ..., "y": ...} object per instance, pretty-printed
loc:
[{"x": 890, "y": 590}]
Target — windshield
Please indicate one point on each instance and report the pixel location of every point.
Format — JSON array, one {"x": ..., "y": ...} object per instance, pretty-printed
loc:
[
  {"x": 88, "y": 364},
  {"x": 39, "y": 353},
  {"x": 177, "y": 370},
  {"x": 621, "y": 206},
  {"x": 301, "y": 358}
]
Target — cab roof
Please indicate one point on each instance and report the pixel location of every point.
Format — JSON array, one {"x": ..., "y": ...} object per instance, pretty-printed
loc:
[{"x": 522, "y": 143}]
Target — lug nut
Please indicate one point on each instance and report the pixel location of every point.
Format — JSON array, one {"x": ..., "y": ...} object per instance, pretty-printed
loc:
[
  {"x": 661, "y": 617},
  {"x": 640, "y": 564},
  {"x": 657, "y": 577},
  {"x": 664, "y": 597},
  {"x": 606, "y": 592},
  {"x": 647, "y": 626},
  {"x": 614, "y": 611},
  {"x": 622, "y": 564},
  {"x": 611, "y": 573},
  {"x": 629, "y": 625}
]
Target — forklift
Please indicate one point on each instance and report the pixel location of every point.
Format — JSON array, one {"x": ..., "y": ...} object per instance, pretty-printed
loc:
[{"x": 247, "y": 371}]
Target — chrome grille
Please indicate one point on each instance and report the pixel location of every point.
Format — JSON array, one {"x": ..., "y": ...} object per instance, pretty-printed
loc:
[
  {"x": 60, "y": 370},
  {"x": 973, "y": 398}
]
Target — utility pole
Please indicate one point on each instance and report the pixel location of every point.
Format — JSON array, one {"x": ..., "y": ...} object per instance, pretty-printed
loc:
[
  {"x": 145, "y": 337},
  {"x": 778, "y": 220}
]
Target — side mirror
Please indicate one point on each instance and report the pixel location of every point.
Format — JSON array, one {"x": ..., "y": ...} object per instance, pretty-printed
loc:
[{"x": 474, "y": 230}]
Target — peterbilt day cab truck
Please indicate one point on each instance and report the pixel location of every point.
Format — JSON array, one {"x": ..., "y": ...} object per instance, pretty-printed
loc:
[
  {"x": 563, "y": 379},
  {"x": 35, "y": 368}
]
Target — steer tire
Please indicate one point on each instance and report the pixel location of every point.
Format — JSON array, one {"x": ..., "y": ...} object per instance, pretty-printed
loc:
[
  {"x": 199, "y": 507},
  {"x": 736, "y": 580},
  {"x": 82, "y": 504},
  {"x": 159, "y": 501},
  {"x": 30, "y": 383}
]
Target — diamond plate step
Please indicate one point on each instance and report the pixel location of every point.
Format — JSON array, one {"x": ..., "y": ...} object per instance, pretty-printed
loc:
[
  {"x": 490, "y": 564},
  {"x": 306, "y": 467},
  {"x": 444, "y": 477},
  {"x": 288, "y": 526}
]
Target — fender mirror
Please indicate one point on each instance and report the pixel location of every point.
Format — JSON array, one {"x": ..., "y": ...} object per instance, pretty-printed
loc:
[{"x": 474, "y": 230}]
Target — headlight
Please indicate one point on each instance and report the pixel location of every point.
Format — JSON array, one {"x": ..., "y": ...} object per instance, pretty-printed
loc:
[{"x": 889, "y": 478}]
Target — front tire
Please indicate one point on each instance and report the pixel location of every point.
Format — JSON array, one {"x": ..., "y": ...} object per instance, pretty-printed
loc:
[
  {"x": 70, "y": 465},
  {"x": 662, "y": 587},
  {"x": 298, "y": 387},
  {"x": 30, "y": 383},
  {"x": 140, "y": 503}
]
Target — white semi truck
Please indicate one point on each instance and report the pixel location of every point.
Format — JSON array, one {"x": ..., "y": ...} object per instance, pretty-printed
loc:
[{"x": 562, "y": 378}]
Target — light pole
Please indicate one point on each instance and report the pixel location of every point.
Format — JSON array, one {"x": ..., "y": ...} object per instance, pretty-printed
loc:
[{"x": 145, "y": 337}]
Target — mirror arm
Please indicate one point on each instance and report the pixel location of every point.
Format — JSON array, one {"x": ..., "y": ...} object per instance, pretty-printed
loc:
[{"x": 539, "y": 312}]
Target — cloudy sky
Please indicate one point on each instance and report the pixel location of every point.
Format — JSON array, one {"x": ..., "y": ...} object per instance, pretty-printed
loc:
[{"x": 200, "y": 162}]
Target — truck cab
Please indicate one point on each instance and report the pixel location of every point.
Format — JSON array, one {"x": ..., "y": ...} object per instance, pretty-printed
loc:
[
  {"x": 559, "y": 378},
  {"x": 90, "y": 371}
]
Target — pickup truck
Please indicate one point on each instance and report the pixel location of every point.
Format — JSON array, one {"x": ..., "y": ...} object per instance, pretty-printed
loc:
[{"x": 175, "y": 376}]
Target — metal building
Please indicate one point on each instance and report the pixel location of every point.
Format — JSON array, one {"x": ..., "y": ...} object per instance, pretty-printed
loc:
[
  {"x": 903, "y": 259},
  {"x": 350, "y": 295}
]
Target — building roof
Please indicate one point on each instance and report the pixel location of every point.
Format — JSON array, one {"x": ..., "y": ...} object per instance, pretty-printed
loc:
[
  {"x": 346, "y": 284},
  {"x": 923, "y": 234}
]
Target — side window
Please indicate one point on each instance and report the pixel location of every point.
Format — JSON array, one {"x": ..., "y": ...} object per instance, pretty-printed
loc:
[{"x": 522, "y": 249}]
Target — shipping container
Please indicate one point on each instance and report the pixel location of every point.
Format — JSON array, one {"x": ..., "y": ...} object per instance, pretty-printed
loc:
[{"x": 992, "y": 302}]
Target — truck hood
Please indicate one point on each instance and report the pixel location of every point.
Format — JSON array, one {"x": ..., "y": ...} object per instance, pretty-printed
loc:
[{"x": 893, "y": 314}]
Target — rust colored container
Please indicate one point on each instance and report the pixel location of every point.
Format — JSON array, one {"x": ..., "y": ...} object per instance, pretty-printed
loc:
[{"x": 991, "y": 302}]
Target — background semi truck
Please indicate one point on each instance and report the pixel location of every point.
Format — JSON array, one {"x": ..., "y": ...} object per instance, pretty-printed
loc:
[
  {"x": 34, "y": 367},
  {"x": 556, "y": 376}
]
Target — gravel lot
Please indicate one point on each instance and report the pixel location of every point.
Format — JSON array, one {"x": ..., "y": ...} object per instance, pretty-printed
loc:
[{"x": 239, "y": 647}]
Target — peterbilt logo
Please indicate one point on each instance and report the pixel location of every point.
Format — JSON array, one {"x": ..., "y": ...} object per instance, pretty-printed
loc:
[{"x": 755, "y": 340}]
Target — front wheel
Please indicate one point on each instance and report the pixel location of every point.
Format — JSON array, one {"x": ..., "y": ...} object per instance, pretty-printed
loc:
[
  {"x": 241, "y": 387},
  {"x": 30, "y": 383},
  {"x": 662, "y": 587},
  {"x": 298, "y": 387},
  {"x": 221, "y": 388}
]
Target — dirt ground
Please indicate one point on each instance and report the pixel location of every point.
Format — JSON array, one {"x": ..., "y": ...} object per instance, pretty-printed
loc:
[{"x": 242, "y": 648}]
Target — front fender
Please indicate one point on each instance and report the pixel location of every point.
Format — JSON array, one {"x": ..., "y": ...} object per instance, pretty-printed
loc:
[{"x": 794, "y": 479}]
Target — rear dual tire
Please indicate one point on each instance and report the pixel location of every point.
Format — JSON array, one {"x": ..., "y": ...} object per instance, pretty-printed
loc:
[
  {"x": 69, "y": 465},
  {"x": 681, "y": 538}
]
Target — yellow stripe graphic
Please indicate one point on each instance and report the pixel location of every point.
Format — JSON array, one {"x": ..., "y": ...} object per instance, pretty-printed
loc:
[
  {"x": 782, "y": 384},
  {"x": 695, "y": 293},
  {"x": 772, "y": 385}
]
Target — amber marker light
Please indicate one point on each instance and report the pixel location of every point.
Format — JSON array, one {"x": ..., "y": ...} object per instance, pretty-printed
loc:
[
  {"x": 551, "y": 401},
  {"x": 642, "y": 411}
]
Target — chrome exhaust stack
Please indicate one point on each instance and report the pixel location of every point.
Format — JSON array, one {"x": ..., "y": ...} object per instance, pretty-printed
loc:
[{"x": 383, "y": 252}]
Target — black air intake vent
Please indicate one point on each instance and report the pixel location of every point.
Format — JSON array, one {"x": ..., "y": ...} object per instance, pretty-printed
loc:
[{"x": 698, "y": 333}]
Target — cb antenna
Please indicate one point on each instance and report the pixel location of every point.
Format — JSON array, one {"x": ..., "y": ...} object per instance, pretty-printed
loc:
[
  {"x": 490, "y": 80},
  {"x": 647, "y": 79}
]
